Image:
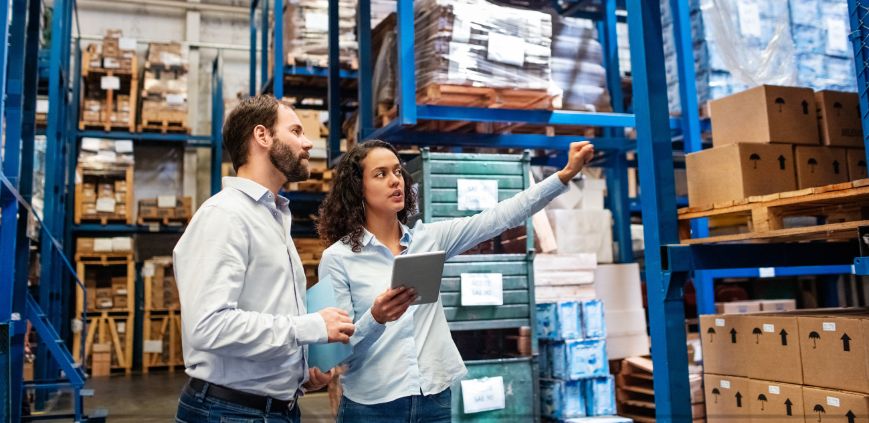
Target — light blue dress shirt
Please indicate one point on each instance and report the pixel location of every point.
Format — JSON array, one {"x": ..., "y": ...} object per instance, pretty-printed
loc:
[
  {"x": 415, "y": 354},
  {"x": 242, "y": 291}
]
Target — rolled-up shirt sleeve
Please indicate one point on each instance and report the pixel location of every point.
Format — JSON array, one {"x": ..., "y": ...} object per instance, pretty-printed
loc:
[{"x": 210, "y": 263}]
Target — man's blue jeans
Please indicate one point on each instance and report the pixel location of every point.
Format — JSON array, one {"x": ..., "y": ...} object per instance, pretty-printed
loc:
[
  {"x": 414, "y": 409},
  {"x": 193, "y": 407}
]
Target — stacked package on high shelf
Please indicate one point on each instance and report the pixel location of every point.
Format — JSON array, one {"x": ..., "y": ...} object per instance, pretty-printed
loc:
[
  {"x": 574, "y": 370},
  {"x": 576, "y": 63},
  {"x": 164, "y": 89},
  {"x": 104, "y": 181},
  {"x": 109, "y": 84},
  {"x": 476, "y": 43},
  {"x": 306, "y": 33},
  {"x": 743, "y": 43}
]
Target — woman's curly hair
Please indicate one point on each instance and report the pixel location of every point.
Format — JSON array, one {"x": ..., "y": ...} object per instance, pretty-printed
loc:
[{"x": 342, "y": 213}]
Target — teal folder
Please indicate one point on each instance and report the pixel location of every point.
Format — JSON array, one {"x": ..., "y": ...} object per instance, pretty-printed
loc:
[{"x": 325, "y": 356}]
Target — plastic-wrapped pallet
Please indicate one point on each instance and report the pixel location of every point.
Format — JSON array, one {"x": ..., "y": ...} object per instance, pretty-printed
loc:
[
  {"x": 473, "y": 42},
  {"x": 577, "y": 58},
  {"x": 306, "y": 32}
]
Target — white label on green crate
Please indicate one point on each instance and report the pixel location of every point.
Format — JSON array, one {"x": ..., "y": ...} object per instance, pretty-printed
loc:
[
  {"x": 837, "y": 35},
  {"x": 166, "y": 201},
  {"x": 482, "y": 289},
  {"x": 766, "y": 272},
  {"x": 833, "y": 401},
  {"x": 123, "y": 146},
  {"x": 506, "y": 49},
  {"x": 106, "y": 204},
  {"x": 485, "y": 394},
  {"x": 768, "y": 328},
  {"x": 477, "y": 194},
  {"x": 725, "y": 384},
  {"x": 152, "y": 346},
  {"x": 749, "y": 19},
  {"x": 719, "y": 323},
  {"x": 775, "y": 390},
  {"x": 828, "y": 326},
  {"x": 110, "y": 83}
]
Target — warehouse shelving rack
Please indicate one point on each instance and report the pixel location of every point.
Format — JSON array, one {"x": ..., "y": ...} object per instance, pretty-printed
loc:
[{"x": 25, "y": 67}]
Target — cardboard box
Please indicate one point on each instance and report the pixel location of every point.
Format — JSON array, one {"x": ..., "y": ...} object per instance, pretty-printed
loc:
[
  {"x": 773, "y": 348},
  {"x": 727, "y": 398},
  {"x": 765, "y": 114},
  {"x": 819, "y": 166},
  {"x": 835, "y": 351},
  {"x": 310, "y": 123},
  {"x": 774, "y": 402},
  {"x": 856, "y": 164},
  {"x": 84, "y": 245},
  {"x": 738, "y": 307},
  {"x": 828, "y": 406},
  {"x": 778, "y": 305},
  {"x": 723, "y": 340},
  {"x": 750, "y": 169},
  {"x": 839, "y": 118}
]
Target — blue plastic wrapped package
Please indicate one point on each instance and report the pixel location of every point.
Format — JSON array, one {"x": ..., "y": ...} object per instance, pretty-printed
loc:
[
  {"x": 558, "y": 320},
  {"x": 579, "y": 359},
  {"x": 804, "y": 12},
  {"x": 808, "y": 39},
  {"x": 593, "y": 324},
  {"x": 560, "y": 399},
  {"x": 543, "y": 358},
  {"x": 835, "y": 21},
  {"x": 600, "y": 396}
]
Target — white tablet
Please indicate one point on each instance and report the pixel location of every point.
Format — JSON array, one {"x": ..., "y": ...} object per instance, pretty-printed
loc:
[{"x": 422, "y": 272}]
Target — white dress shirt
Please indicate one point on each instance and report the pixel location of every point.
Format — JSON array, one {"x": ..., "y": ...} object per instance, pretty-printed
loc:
[
  {"x": 415, "y": 354},
  {"x": 242, "y": 290}
]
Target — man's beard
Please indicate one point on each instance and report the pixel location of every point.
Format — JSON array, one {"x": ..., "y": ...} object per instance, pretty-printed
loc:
[{"x": 287, "y": 163}]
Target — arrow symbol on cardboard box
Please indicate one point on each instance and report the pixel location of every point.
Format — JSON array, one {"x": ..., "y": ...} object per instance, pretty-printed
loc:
[
  {"x": 846, "y": 342},
  {"x": 789, "y": 404},
  {"x": 784, "y": 337},
  {"x": 733, "y": 336},
  {"x": 738, "y": 399},
  {"x": 851, "y": 416}
]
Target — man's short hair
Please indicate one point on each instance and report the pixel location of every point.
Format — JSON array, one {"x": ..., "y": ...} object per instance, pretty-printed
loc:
[{"x": 238, "y": 128}]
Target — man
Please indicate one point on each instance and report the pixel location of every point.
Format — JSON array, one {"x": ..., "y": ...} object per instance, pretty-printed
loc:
[{"x": 241, "y": 281}]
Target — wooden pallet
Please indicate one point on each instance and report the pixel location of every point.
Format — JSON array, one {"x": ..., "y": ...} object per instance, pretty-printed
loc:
[
  {"x": 485, "y": 97},
  {"x": 844, "y": 208},
  {"x": 104, "y": 328},
  {"x": 319, "y": 181},
  {"x": 164, "y": 126},
  {"x": 310, "y": 251},
  {"x": 103, "y": 218},
  {"x": 162, "y": 328}
]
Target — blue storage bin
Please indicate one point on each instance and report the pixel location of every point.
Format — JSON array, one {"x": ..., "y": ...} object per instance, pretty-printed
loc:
[
  {"x": 593, "y": 324},
  {"x": 561, "y": 399},
  {"x": 600, "y": 396},
  {"x": 579, "y": 359},
  {"x": 558, "y": 320},
  {"x": 543, "y": 360}
]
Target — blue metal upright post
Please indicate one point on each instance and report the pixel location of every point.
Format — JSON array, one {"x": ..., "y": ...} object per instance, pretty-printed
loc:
[
  {"x": 264, "y": 27},
  {"x": 365, "y": 81},
  {"x": 859, "y": 12},
  {"x": 279, "y": 58},
  {"x": 334, "y": 82},
  {"x": 216, "y": 122},
  {"x": 253, "y": 87},
  {"x": 655, "y": 154},
  {"x": 405, "y": 88}
]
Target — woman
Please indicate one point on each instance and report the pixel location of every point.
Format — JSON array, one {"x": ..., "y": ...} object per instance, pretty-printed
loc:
[{"x": 403, "y": 364}]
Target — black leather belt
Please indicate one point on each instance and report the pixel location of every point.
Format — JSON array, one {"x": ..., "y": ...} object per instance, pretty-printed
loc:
[{"x": 245, "y": 399}]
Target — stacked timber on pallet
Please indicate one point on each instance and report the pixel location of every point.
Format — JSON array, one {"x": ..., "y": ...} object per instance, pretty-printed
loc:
[
  {"x": 104, "y": 182},
  {"x": 306, "y": 30},
  {"x": 635, "y": 393},
  {"x": 110, "y": 84},
  {"x": 164, "y": 89},
  {"x": 161, "y": 327},
  {"x": 105, "y": 306}
]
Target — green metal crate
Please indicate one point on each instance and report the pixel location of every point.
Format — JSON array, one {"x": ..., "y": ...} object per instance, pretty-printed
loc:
[
  {"x": 520, "y": 390},
  {"x": 437, "y": 175}
]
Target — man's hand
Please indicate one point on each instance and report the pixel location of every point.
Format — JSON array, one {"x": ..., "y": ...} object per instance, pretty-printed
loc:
[
  {"x": 339, "y": 327},
  {"x": 317, "y": 379},
  {"x": 391, "y": 304},
  {"x": 579, "y": 155}
]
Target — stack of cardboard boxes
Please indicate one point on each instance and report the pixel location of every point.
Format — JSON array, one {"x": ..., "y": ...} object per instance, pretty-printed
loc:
[
  {"x": 165, "y": 209},
  {"x": 164, "y": 88},
  {"x": 109, "y": 74},
  {"x": 106, "y": 289},
  {"x": 769, "y": 139},
  {"x": 574, "y": 370},
  {"x": 160, "y": 281},
  {"x": 104, "y": 181},
  {"x": 787, "y": 367}
]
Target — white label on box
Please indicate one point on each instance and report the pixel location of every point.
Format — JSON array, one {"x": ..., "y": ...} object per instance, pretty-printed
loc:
[
  {"x": 77, "y": 325},
  {"x": 315, "y": 21},
  {"x": 749, "y": 18},
  {"x": 725, "y": 384},
  {"x": 719, "y": 323},
  {"x": 122, "y": 243},
  {"x": 122, "y": 327},
  {"x": 166, "y": 201},
  {"x": 124, "y": 146},
  {"x": 152, "y": 346},
  {"x": 833, "y": 401},
  {"x": 126, "y": 43},
  {"x": 102, "y": 245},
  {"x": 829, "y": 326},
  {"x": 768, "y": 328},
  {"x": 122, "y": 291},
  {"x": 148, "y": 270},
  {"x": 111, "y": 63},
  {"x": 775, "y": 390},
  {"x": 41, "y": 106},
  {"x": 91, "y": 144},
  {"x": 110, "y": 83},
  {"x": 482, "y": 289},
  {"x": 106, "y": 204},
  {"x": 485, "y": 394},
  {"x": 106, "y": 156},
  {"x": 153, "y": 227},
  {"x": 837, "y": 35},
  {"x": 477, "y": 194},
  {"x": 175, "y": 99},
  {"x": 506, "y": 49},
  {"x": 766, "y": 272}
]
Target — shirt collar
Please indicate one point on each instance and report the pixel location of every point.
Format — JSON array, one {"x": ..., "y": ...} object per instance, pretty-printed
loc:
[
  {"x": 254, "y": 190},
  {"x": 406, "y": 236}
]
